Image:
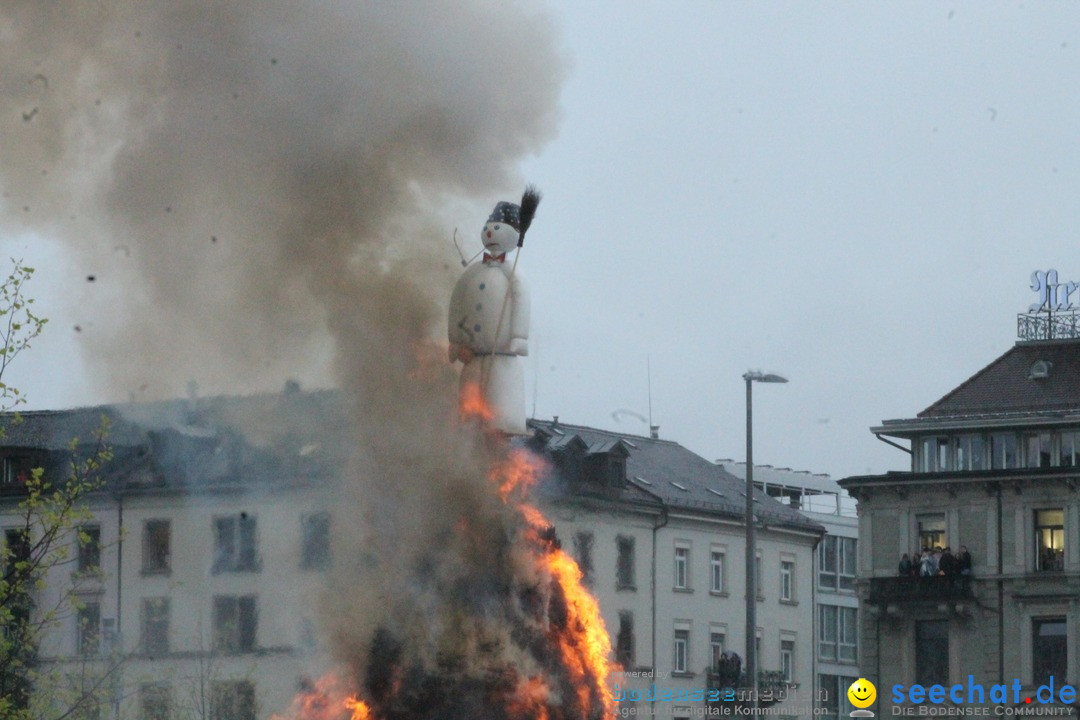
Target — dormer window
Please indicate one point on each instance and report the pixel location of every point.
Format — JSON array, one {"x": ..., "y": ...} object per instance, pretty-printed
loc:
[
  {"x": 616, "y": 471},
  {"x": 1040, "y": 370}
]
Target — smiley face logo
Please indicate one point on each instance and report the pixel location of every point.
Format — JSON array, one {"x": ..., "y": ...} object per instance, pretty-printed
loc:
[{"x": 862, "y": 693}]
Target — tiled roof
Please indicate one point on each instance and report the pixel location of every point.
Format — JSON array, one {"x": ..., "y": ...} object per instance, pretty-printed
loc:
[
  {"x": 1006, "y": 385},
  {"x": 664, "y": 473},
  {"x": 218, "y": 440}
]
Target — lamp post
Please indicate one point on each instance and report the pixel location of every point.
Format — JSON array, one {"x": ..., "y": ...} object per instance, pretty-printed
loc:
[{"x": 751, "y": 551}]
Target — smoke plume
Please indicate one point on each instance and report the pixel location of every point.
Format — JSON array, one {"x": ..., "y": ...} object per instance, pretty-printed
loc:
[
  {"x": 238, "y": 176},
  {"x": 259, "y": 189}
]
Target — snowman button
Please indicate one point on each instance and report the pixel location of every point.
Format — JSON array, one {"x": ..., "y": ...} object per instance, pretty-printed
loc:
[
  {"x": 481, "y": 286},
  {"x": 476, "y": 328}
]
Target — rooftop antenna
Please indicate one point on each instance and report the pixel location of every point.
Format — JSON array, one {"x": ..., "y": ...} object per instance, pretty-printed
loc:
[{"x": 648, "y": 374}]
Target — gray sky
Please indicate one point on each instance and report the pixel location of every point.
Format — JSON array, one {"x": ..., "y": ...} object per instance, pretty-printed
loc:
[{"x": 850, "y": 194}]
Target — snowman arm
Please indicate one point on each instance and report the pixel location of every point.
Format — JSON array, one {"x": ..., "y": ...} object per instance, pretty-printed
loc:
[
  {"x": 519, "y": 316},
  {"x": 455, "y": 314}
]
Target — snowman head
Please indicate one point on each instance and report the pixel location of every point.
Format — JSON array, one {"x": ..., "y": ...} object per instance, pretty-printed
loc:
[{"x": 501, "y": 231}]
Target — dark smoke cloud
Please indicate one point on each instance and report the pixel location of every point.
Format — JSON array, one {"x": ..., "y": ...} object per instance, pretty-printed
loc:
[
  {"x": 264, "y": 187},
  {"x": 237, "y": 175}
]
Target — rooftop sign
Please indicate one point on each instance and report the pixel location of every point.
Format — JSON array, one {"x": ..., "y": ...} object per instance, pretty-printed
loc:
[
  {"x": 1057, "y": 313},
  {"x": 1053, "y": 296}
]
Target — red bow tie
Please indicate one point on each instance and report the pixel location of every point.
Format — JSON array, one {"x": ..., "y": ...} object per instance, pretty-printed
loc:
[{"x": 493, "y": 258}]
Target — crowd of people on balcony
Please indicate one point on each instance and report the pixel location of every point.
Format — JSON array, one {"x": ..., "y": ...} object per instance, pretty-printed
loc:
[
  {"x": 936, "y": 562},
  {"x": 728, "y": 669}
]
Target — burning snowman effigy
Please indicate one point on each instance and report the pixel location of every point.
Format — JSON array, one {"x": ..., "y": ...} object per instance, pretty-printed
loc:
[{"x": 488, "y": 323}]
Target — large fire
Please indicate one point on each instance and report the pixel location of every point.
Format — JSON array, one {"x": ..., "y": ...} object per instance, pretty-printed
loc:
[{"x": 562, "y": 665}]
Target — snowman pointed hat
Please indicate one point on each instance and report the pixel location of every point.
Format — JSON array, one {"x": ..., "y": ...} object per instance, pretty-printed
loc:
[{"x": 519, "y": 217}]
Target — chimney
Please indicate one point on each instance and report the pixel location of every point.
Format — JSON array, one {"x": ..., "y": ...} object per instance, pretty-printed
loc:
[
  {"x": 654, "y": 432},
  {"x": 555, "y": 421}
]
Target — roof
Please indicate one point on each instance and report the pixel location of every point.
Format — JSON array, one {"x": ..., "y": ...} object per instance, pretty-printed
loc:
[
  {"x": 218, "y": 440},
  {"x": 1006, "y": 385},
  {"x": 662, "y": 473}
]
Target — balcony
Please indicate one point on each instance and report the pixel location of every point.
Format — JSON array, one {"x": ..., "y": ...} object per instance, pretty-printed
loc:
[
  {"x": 772, "y": 688},
  {"x": 940, "y": 588}
]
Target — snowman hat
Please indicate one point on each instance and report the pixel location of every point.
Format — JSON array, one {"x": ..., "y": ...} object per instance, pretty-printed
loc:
[{"x": 519, "y": 217}]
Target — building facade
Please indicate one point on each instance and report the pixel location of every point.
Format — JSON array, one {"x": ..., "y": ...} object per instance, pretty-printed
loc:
[
  {"x": 995, "y": 468},
  {"x": 205, "y": 553},
  {"x": 662, "y": 541},
  {"x": 834, "y": 651}
]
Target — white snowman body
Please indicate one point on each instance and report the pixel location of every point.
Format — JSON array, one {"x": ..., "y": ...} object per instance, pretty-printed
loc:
[{"x": 488, "y": 328}]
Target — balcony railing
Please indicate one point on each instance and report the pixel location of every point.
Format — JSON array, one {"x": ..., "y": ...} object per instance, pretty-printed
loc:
[
  {"x": 914, "y": 589},
  {"x": 772, "y": 688}
]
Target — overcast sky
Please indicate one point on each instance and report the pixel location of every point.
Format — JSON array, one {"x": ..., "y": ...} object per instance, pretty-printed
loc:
[{"x": 851, "y": 194}]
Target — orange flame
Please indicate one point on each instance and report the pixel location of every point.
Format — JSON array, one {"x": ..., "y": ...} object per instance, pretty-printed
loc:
[
  {"x": 472, "y": 403},
  {"x": 584, "y": 644},
  {"x": 326, "y": 700},
  {"x": 529, "y": 701},
  {"x": 518, "y": 473}
]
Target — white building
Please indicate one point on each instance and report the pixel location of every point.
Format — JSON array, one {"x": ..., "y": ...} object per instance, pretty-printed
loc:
[
  {"x": 660, "y": 532},
  {"x": 213, "y": 539},
  {"x": 836, "y": 642}
]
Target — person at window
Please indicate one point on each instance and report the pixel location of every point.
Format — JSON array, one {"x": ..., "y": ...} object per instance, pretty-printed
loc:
[
  {"x": 963, "y": 561},
  {"x": 905, "y": 566},
  {"x": 927, "y": 566},
  {"x": 947, "y": 563},
  {"x": 736, "y": 667}
]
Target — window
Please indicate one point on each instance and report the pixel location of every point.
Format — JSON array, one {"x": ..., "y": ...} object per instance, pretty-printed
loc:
[
  {"x": 88, "y": 550},
  {"x": 682, "y": 651},
  {"x": 1037, "y": 450},
  {"x": 624, "y": 641},
  {"x": 931, "y": 531},
  {"x": 156, "y": 551},
  {"x": 787, "y": 580},
  {"x": 716, "y": 571},
  {"x": 583, "y": 544},
  {"x": 155, "y": 626},
  {"x": 88, "y": 628},
  {"x": 1049, "y": 539},
  {"x": 15, "y": 471},
  {"x": 836, "y": 562},
  {"x": 1003, "y": 451},
  {"x": 316, "y": 534},
  {"x": 155, "y": 701},
  {"x": 847, "y": 547},
  {"x": 1070, "y": 449},
  {"x": 17, "y": 543},
  {"x": 935, "y": 454},
  {"x": 717, "y": 640},
  {"x": 827, "y": 562},
  {"x": 1049, "y": 650},
  {"x": 234, "y": 543},
  {"x": 235, "y": 621},
  {"x": 624, "y": 571},
  {"x": 682, "y": 566},
  {"x": 837, "y": 633},
  {"x": 787, "y": 660},
  {"x": 833, "y": 696},
  {"x": 232, "y": 700},
  {"x": 827, "y": 617},
  {"x": 970, "y": 452},
  {"x": 932, "y": 652}
]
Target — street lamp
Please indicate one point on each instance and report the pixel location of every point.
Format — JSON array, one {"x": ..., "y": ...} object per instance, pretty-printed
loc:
[{"x": 752, "y": 377}]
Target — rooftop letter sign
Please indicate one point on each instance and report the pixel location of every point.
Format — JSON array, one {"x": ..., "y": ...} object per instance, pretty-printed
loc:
[{"x": 1053, "y": 296}]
